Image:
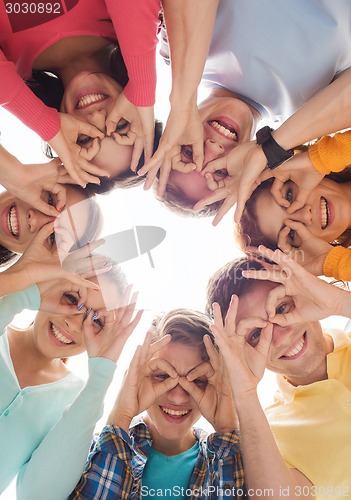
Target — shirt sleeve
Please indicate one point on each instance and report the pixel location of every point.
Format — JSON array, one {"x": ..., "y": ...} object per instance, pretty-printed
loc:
[
  {"x": 12, "y": 304},
  {"x": 20, "y": 101},
  {"x": 108, "y": 472},
  {"x": 331, "y": 154},
  {"x": 136, "y": 23},
  {"x": 57, "y": 464},
  {"x": 226, "y": 464},
  {"x": 337, "y": 263}
]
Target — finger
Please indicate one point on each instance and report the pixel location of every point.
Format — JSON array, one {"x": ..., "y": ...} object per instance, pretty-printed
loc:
[
  {"x": 88, "y": 129},
  {"x": 167, "y": 385},
  {"x": 125, "y": 140},
  {"x": 190, "y": 387},
  {"x": 300, "y": 228},
  {"x": 212, "y": 184},
  {"x": 300, "y": 200},
  {"x": 277, "y": 194},
  {"x": 163, "y": 365},
  {"x": 90, "y": 152},
  {"x": 211, "y": 351},
  {"x": 203, "y": 370},
  {"x": 283, "y": 240},
  {"x": 112, "y": 121},
  {"x": 244, "y": 194},
  {"x": 78, "y": 280},
  {"x": 198, "y": 155},
  {"x": 137, "y": 152},
  {"x": 224, "y": 209},
  {"x": 230, "y": 319},
  {"x": 272, "y": 299},
  {"x": 265, "y": 340},
  {"x": 150, "y": 178},
  {"x": 159, "y": 344},
  {"x": 44, "y": 232},
  {"x": 217, "y": 164},
  {"x": 217, "y": 316},
  {"x": 164, "y": 176},
  {"x": 267, "y": 173},
  {"x": 60, "y": 191}
]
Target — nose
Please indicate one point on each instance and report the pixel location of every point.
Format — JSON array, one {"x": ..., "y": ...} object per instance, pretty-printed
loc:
[
  {"x": 97, "y": 118},
  {"x": 74, "y": 323},
  {"x": 178, "y": 395},
  {"x": 36, "y": 220},
  {"x": 303, "y": 215},
  {"x": 281, "y": 334},
  {"x": 212, "y": 150}
]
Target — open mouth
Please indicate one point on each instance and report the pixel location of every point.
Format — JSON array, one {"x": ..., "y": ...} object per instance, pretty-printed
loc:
[
  {"x": 89, "y": 99},
  {"x": 59, "y": 335},
  {"x": 175, "y": 413},
  {"x": 325, "y": 213},
  {"x": 225, "y": 129},
  {"x": 12, "y": 221},
  {"x": 296, "y": 349}
]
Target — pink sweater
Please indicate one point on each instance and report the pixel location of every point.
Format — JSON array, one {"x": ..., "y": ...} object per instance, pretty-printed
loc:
[{"x": 25, "y": 35}]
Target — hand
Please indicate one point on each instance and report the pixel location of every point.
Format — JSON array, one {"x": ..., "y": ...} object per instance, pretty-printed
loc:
[
  {"x": 245, "y": 364},
  {"x": 75, "y": 158},
  {"x": 52, "y": 293},
  {"x": 311, "y": 252},
  {"x": 313, "y": 298},
  {"x": 29, "y": 182},
  {"x": 139, "y": 391},
  {"x": 118, "y": 325},
  {"x": 183, "y": 128},
  {"x": 40, "y": 260},
  {"x": 301, "y": 171},
  {"x": 209, "y": 386},
  {"x": 244, "y": 165},
  {"x": 141, "y": 130}
]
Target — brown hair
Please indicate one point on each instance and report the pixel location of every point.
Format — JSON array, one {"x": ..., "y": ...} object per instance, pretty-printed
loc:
[
  {"x": 185, "y": 327},
  {"x": 228, "y": 281}
]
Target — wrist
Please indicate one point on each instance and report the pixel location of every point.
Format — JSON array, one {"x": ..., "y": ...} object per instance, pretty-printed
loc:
[{"x": 182, "y": 101}]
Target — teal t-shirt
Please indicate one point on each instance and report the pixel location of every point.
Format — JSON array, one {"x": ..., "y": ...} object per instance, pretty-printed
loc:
[{"x": 168, "y": 476}]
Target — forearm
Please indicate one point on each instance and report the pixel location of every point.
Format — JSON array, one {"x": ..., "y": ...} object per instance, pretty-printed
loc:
[
  {"x": 65, "y": 448},
  {"x": 9, "y": 170},
  {"x": 264, "y": 466},
  {"x": 325, "y": 113},
  {"x": 331, "y": 154},
  {"x": 14, "y": 303},
  {"x": 189, "y": 30}
]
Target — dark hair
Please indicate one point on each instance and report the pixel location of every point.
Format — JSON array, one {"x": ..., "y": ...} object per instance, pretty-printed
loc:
[
  {"x": 228, "y": 281},
  {"x": 6, "y": 256},
  {"x": 175, "y": 200},
  {"x": 185, "y": 327},
  {"x": 248, "y": 232}
]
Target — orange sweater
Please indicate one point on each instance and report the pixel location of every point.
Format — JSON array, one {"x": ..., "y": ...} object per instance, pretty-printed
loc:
[{"x": 333, "y": 154}]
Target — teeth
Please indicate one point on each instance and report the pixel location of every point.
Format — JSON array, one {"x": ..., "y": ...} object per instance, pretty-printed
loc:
[
  {"x": 12, "y": 221},
  {"x": 296, "y": 349},
  {"x": 324, "y": 213},
  {"x": 223, "y": 129},
  {"x": 90, "y": 99},
  {"x": 58, "y": 335},
  {"x": 176, "y": 413}
]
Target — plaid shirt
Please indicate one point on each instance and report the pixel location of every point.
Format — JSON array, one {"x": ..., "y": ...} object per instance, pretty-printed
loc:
[{"x": 116, "y": 463}]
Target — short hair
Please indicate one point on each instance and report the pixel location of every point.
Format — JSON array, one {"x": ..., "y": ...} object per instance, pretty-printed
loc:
[
  {"x": 228, "y": 281},
  {"x": 185, "y": 326},
  {"x": 175, "y": 200}
]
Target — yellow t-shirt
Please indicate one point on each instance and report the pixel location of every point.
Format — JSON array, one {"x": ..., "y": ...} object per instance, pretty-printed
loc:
[{"x": 312, "y": 424}]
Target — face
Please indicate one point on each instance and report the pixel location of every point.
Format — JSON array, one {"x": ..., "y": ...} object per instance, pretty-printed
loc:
[
  {"x": 172, "y": 416},
  {"x": 227, "y": 122},
  {"x": 20, "y": 222},
  {"x": 297, "y": 351},
  {"x": 60, "y": 336},
  {"x": 90, "y": 98},
  {"x": 326, "y": 213}
]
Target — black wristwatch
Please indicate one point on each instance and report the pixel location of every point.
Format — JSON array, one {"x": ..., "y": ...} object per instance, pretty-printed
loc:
[{"x": 274, "y": 153}]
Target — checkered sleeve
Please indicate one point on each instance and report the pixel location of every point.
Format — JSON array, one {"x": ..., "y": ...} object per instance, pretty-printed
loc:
[
  {"x": 108, "y": 472},
  {"x": 226, "y": 463}
]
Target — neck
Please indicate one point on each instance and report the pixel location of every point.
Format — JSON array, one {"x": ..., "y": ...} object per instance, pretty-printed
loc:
[{"x": 166, "y": 446}]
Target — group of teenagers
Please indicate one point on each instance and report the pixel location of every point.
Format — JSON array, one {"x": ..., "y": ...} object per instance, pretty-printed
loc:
[{"x": 272, "y": 138}]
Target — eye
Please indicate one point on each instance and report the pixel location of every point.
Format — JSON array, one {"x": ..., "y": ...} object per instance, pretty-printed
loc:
[
  {"x": 289, "y": 195},
  {"x": 291, "y": 235},
  {"x": 160, "y": 377},
  {"x": 99, "y": 324},
  {"x": 187, "y": 154},
  {"x": 220, "y": 174},
  {"x": 201, "y": 383},
  {"x": 254, "y": 338},
  {"x": 122, "y": 125},
  {"x": 83, "y": 140},
  {"x": 280, "y": 309},
  {"x": 285, "y": 307},
  {"x": 70, "y": 298}
]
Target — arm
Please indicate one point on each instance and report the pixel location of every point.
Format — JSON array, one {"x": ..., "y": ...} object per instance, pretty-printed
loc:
[
  {"x": 264, "y": 466},
  {"x": 331, "y": 154},
  {"x": 63, "y": 452},
  {"x": 111, "y": 457},
  {"x": 10, "y": 305}
]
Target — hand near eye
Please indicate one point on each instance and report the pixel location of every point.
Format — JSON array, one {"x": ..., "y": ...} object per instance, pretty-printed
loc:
[
  {"x": 313, "y": 298},
  {"x": 312, "y": 251},
  {"x": 106, "y": 332},
  {"x": 183, "y": 128},
  {"x": 302, "y": 172},
  {"x": 139, "y": 391},
  {"x": 209, "y": 386},
  {"x": 141, "y": 129},
  {"x": 245, "y": 364},
  {"x": 244, "y": 165},
  {"x": 75, "y": 158}
]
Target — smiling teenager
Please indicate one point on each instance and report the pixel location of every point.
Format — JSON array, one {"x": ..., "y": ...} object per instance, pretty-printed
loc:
[
  {"x": 48, "y": 414},
  {"x": 176, "y": 376}
]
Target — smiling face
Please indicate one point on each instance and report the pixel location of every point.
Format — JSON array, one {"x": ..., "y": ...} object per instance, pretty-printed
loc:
[
  {"x": 326, "y": 214},
  {"x": 90, "y": 98},
  {"x": 297, "y": 351},
  {"x": 227, "y": 122},
  {"x": 20, "y": 222},
  {"x": 171, "y": 417}
]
